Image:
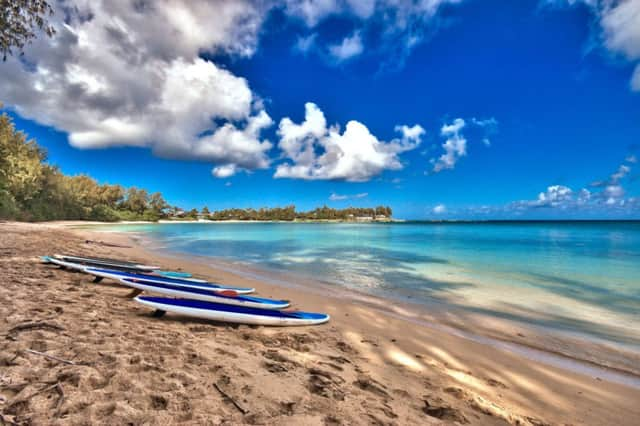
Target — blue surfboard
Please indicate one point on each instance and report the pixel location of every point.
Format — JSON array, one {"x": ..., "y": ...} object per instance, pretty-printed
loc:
[
  {"x": 118, "y": 275},
  {"x": 230, "y": 313},
  {"x": 205, "y": 294}
]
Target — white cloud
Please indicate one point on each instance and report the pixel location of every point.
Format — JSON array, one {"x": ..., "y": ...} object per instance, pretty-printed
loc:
[
  {"x": 554, "y": 196},
  {"x": 455, "y": 146},
  {"x": 129, "y": 74},
  {"x": 405, "y": 24},
  {"x": 316, "y": 151},
  {"x": 631, "y": 159},
  {"x": 622, "y": 172},
  {"x": 619, "y": 23},
  {"x": 440, "y": 209},
  {"x": 338, "y": 197},
  {"x": 350, "y": 47},
  {"x": 225, "y": 171},
  {"x": 312, "y": 11},
  {"x": 609, "y": 194}
]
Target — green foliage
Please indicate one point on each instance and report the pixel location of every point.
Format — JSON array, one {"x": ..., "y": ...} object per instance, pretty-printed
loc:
[
  {"x": 192, "y": 214},
  {"x": 19, "y": 20},
  {"x": 289, "y": 213},
  {"x": 31, "y": 189}
]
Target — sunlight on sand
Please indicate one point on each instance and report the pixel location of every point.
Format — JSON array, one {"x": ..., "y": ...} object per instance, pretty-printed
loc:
[
  {"x": 445, "y": 358},
  {"x": 404, "y": 359}
]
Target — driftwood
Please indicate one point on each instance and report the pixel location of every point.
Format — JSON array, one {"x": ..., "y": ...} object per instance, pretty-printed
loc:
[
  {"x": 55, "y": 358},
  {"x": 233, "y": 401}
]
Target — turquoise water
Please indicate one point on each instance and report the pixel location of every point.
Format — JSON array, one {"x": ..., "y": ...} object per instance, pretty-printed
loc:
[{"x": 578, "y": 277}]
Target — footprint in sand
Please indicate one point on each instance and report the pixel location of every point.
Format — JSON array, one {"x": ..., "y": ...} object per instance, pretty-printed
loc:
[
  {"x": 325, "y": 384},
  {"x": 368, "y": 384}
]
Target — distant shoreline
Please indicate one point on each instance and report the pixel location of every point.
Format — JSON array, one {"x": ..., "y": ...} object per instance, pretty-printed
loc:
[{"x": 386, "y": 221}]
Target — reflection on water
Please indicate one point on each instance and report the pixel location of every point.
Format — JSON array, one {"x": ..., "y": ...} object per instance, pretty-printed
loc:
[{"x": 581, "y": 277}]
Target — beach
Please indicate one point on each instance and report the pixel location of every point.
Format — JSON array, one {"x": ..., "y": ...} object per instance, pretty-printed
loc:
[{"x": 75, "y": 352}]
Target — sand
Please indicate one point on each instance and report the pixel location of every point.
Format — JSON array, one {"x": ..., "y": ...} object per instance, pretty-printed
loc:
[{"x": 74, "y": 352}]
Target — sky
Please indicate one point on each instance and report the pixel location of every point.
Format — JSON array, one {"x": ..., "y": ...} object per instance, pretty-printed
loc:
[{"x": 441, "y": 109}]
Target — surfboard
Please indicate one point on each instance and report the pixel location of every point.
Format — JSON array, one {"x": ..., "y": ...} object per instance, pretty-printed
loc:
[
  {"x": 70, "y": 265},
  {"x": 83, "y": 266},
  {"x": 119, "y": 275},
  {"x": 208, "y": 295},
  {"x": 231, "y": 313},
  {"x": 105, "y": 262}
]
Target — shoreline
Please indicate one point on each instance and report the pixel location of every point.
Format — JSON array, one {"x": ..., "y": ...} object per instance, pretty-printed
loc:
[
  {"x": 430, "y": 375},
  {"x": 560, "y": 348}
]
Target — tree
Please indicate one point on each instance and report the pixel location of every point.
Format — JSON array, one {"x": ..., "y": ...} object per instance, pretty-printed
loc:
[
  {"x": 205, "y": 211},
  {"x": 19, "y": 21},
  {"x": 20, "y": 163},
  {"x": 111, "y": 195},
  {"x": 193, "y": 214},
  {"x": 158, "y": 204},
  {"x": 136, "y": 200}
]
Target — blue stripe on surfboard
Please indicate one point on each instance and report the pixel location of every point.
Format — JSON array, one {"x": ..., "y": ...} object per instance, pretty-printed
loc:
[
  {"x": 207, "y": 292},
  {"x": 168, "y": 280},
  {"x": 173, "y": 274},
  {"x": 210, "y": 306}
]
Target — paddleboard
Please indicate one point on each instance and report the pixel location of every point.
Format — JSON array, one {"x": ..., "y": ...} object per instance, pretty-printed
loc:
[
  {"x": 70, "y": 265},
  {"x": 208, "y": 295},
  {"x": 83, "y": 266},
  {"x": 230, "y": 313},
  {"x": 105, "y": 262},
  {"x": 118, "y": 275}
]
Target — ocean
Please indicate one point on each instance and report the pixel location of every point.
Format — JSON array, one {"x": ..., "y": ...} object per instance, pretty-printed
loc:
[{"x": 578, "y": 277}]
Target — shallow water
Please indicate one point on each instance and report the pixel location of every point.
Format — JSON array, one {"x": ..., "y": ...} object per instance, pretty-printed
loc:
[{"x": 578, "y": 277}]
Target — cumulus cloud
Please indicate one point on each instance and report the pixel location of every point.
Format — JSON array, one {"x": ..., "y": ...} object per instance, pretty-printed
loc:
[
  {"x": 350, "y": 47},
  {"x": 440, "y": 209},
  {"x": 555, "y": 195},
  {"x": 339, "y": 197},
  {"x": 608, "y": 193},
  {"x": 318, "y": 152},
  {"x": 122, "y": 73}
]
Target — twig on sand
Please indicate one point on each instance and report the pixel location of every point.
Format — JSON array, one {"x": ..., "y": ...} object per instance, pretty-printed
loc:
[
  {"x": 35, "y": 325},
  {"x": 60, "y": 397},
  {"x": 233, "y": 401},
  {"x": 55, "y": 358},
  {"x": 102, "y": 243}
]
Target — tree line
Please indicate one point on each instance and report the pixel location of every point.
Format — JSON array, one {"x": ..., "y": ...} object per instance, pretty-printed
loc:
[
  {"x": 33, "y": 190},
  {"x": 289, "y": 213}
]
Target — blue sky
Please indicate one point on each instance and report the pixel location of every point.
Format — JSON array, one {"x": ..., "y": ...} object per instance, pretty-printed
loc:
[{"x": 511, "y": 109}]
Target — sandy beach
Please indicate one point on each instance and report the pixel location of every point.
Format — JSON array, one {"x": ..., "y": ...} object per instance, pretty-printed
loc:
[{"x": 74, "y": 352}]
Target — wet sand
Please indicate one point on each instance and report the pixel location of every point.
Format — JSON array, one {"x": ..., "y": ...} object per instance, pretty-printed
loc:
[{"x": 74, "y": 352}]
